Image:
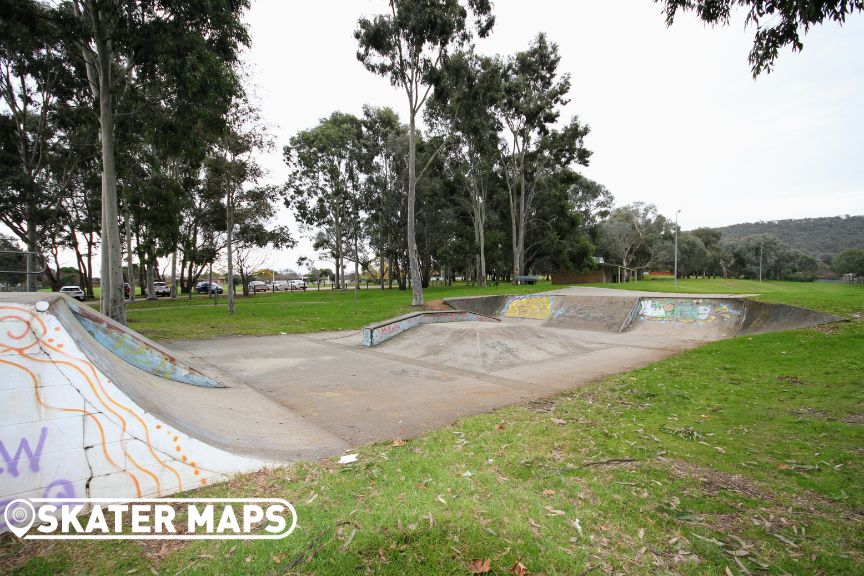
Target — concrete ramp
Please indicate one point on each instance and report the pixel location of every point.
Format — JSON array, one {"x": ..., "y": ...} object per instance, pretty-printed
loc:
[
  {"x": 608, "y": 314},
  {"x": 78, "y": 420},
  {"x": 687, "y": 317}
]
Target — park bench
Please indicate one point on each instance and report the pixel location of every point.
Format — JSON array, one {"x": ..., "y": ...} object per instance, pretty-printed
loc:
[{"x": 525, "y": 279}]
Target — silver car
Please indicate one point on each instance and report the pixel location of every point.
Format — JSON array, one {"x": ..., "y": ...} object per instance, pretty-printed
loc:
[{"x": 73, "y": 291}]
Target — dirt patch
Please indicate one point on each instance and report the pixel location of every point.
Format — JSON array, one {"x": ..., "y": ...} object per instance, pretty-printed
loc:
[
  {"x": 791, "y": 379},
  {"x": 830, "y": 329},
  {"x": 857, "y": 419},
  {"x": 713, "y": 481},
  {"x": 810, "y": 412},
  {"x": 541, "y": 406},
  {"x": 436, "y": 306}
]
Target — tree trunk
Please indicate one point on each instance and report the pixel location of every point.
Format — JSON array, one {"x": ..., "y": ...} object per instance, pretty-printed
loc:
[
  {"x": 520, "y": 246},
  {"x": 174, "y": 274},
  {"x": 479, "y": 223},
  {"x": 413, "y": 262},
  {"x": 30, "y": 281},
  {"x": 356, "y": 269},
  {"x": 112, "y": 298},
  {"x": 514, "y": 232},
  {"x": 90, "y": 244},
  {"x": 229, "y": 239},
  {"x": 151, "y": 270},
  {"x": 129, "y": 258}
]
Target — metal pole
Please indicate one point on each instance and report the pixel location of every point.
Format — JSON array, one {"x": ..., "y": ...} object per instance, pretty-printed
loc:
[{"x": 676, "y": 248}]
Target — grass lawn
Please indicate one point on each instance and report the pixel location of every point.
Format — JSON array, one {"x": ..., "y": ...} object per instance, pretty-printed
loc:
[
  {"x": 289, "y": 312},
  {"x": 744, "y": 456}
]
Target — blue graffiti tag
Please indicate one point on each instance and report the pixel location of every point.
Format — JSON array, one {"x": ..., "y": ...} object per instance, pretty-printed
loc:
[{"x": 23, "y": 448}]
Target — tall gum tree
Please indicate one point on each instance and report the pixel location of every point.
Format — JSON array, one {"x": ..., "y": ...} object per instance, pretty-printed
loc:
[
  {"x": 408, "y": 46},
  {"x": 461, "y": 110},
  {"x": 184, "y": 45},
  {"x": 531, "y": 146},
  {"x": 325, "y": 187}
]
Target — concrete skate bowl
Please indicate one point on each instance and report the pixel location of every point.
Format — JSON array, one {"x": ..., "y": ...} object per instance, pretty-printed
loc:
[
  {"x": 686, "y": 318},
  {"x": 79, "y": 420}
]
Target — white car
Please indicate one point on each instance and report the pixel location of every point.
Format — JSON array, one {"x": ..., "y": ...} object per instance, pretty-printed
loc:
[
  {"x": 258, "y": 286},
  {"x": 277, "y": 286},
  {"x": 73, "y": 291},
  {"x": 297, "y": 284}
]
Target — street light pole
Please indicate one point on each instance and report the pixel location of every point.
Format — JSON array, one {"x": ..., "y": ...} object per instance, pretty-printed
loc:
[{"x": 676, "y": 247}]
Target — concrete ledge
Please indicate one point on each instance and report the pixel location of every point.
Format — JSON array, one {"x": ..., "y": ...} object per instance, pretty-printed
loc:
[{"x": 375, "y": 334}]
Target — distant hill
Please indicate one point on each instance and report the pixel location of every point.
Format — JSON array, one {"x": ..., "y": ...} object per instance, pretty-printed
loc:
[{"x": 817, "y": 236}]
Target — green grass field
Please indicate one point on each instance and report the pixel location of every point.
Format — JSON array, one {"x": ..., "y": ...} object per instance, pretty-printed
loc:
[
  {"x": 289, "y": 312},
  {"x": 744, "y": 456}
]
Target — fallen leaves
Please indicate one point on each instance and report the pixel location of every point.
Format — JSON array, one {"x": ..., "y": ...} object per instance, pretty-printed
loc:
[
  {"x": 398, "y": 442},
  {"x": 519, "y": 569},
  {"x": 479, "y": 566}
]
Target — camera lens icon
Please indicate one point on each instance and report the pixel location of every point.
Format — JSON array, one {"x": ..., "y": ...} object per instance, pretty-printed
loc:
[{"x": 19, "y": 516}]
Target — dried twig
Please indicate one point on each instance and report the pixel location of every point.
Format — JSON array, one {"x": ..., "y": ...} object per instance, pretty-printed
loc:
[{"x": 610, "y": 461}]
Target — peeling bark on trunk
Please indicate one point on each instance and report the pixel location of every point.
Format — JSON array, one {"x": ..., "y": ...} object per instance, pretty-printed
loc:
[
  {"x": 174, "y": 274},
  {"x": 129, "y": 259},
  {"x": 111, "y": 271},
  {"x": 414, "y": 263},
  {"x": 151, "y": 270},
  {"x": 229, "y": 243}
]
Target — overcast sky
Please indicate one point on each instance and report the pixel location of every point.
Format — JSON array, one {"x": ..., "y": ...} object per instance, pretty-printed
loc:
[{"x": 676, "y": 117}]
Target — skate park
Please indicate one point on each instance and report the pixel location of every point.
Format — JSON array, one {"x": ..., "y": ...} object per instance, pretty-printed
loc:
[{"x": 98, "y": 410}]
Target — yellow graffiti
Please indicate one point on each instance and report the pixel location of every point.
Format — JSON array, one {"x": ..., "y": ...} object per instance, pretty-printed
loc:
[{"x": 536, "y": 308}]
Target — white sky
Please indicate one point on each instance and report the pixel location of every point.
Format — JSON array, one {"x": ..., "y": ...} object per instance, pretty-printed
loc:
[{"x": 676, "y": 118}]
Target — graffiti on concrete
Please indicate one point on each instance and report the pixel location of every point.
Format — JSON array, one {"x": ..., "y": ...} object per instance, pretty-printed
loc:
[
  {"x": 137, "y": 352},
  {"x": 684, "y": 311},
  {"x": 531, "y": 307},
  {"x": 66, "y": 429},
  {"x": 11, "y": 461}
]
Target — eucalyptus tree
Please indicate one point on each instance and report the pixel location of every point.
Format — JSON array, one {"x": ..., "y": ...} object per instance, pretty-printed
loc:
[
  {"x": 383, "y": 135},
  {"x": 532, "y": 147},
  {"x": 324, "y": 188},
  {"x": 35, "y": 84},
  {"x": 849, "y": 261},
  {"x": 408, "y": 47},
  {"x": 634, "y": 236},
  {"x": 187, "y": 47},
  {"x": 591, "y": 200},
  {"x": 461, "y": 110},
  {"x": 233, "y": 168},
  {"x": 779, "y": 23}
]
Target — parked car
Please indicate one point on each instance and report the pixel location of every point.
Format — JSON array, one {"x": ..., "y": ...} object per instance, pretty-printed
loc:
[
  {"x": 258, "y": 286},
  {"x": 277, "y": 286},
  {"x": 297, "y": 284},
  {"x": 73, "y": 291},
  {"x": 205, "y": 287},
  {"x": 160, "y": 289}
]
